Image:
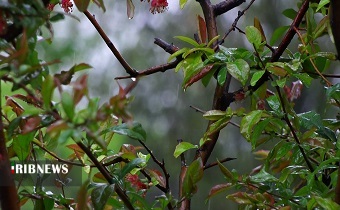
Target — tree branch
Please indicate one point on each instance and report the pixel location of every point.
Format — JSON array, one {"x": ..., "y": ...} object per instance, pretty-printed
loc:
[
  {"x": 225, "y": 6},
  {"x": 8, "y": 191},
  {"x": 110, "y": 45},
  {"x": 169, "y": 48},
  {"x": 122, "y": 195}
]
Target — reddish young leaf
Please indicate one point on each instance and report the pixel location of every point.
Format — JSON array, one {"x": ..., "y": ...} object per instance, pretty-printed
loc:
[
  {"x": 258, "y": 25},
  {"x": 218, "y": 189},
  {"x": 57, "y": 126},
  {"x": 80, "y": 88},
  {"x": 158, "y": 176},
  {"x": 136, "y": 182},
  {"x": 28, "y": 99},
  {"x": 15, "y": 106},
  {"x": 199, "y": 75},
  {"x": 31, "y": 124},
  {"x": 239, "y": 96},
  {"x": 296, "y": 89},
  {"x": 202, "y": 29},
  {"x": 75, "y": 147}
]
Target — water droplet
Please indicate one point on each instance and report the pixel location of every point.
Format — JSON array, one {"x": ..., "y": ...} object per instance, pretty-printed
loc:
[{"x": 133, "y": 79}]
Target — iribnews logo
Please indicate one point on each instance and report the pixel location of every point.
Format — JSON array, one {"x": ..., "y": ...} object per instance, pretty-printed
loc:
[
  {"x": 39, "y": 168},
  {"x": 48, "y": 173}
]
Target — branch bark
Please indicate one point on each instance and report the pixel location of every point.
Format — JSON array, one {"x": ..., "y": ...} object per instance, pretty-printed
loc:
[
  {"x": 8, "y": 192},
  {"x": 132, "y": 72}
]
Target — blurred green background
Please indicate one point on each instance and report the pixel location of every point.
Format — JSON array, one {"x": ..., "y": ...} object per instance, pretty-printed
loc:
[{"x": 159, "y": 101}]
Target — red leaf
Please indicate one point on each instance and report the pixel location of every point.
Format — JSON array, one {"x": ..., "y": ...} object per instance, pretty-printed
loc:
[
  {"x": 31, "y": 124},
  {"x": 28, "y": 99},
  {"x": 202, "y": 29},
  {"x": 296, "y": 89},
  {"x": 158, "y": 176},
  {"x": 15, "y": 106},
  {"x": 239, "y": 96},
  {"x": 199, "y": 75},
  {"x": 135, "y": 181},
  {"x": 80, "y": 88},
  {"x": 57, "y": 126},
  {"x": 218, "y": 189}
]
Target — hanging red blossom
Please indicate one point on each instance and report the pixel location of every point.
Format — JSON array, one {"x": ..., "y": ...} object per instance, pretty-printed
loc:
[
  {"x": 158, "y": 6},
  {"x": 67, "y": 5},
  {"x": 135, "y": 181}
]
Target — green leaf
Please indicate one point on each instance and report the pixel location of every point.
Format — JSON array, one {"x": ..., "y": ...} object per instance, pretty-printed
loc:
[
  {"x": 290, "y": 13},
  {"x": 281, "y": 82},
  {"x": 326, "y": 203},
  {"x": 14, "y": 124},
  {"x": 256, "y": 76},
  {"x": 21, "y": 145},
  {"x": 327, "y": 55},
  {"x": 262, "y": 177},
  {"x": 130, "y": 166},
  {"x": 305, "y": 78},
  {"x": 177, "y": 53},
  {"x": 134, "y": 130},
  {"x": 47, "y": 91},
  {"x": 225, "y": 171},
  {"x": 253, "y": 35},
  {"x": 214, "y": 114},
  {"x": 222, "y": 75},
  {"x": 207, "y": 51},
  {"x": 322, "y": 3},
  {"x": 80, "y": 67},
  {"x": 321, "y": 28},
  {"x": 48, "y": 203},
  {"x": 257, "y": 131},
  {"x": 100, "y": 196},
  {"x": 333, "y": 92},
  {"x": 278, "y": 33},
  {"x": 312, "y": 119},
  {"x": 274, "y": 103},
  {"x": 218, "y": 125},
  {"x": 188, "y": 40},
  {"x": 82, "y": 4},
  {"x": 142, "y": 202},
  {"x": 249, "y": 121},
  {"x": 182, "y": 3},
  {"x": 68, "y": 105},
  {"x": 102, "y": 5},
  {"x": 213, "y": 40},
  {"x": 193, "y": 175},
  {"x": 239, "y": 69},
  {"x": 182, "y": 147},
  {"x": 57, "y": 17}
]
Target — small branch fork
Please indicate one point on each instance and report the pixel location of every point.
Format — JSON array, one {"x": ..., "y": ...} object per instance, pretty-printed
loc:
[{"x": 120, "y": 192}]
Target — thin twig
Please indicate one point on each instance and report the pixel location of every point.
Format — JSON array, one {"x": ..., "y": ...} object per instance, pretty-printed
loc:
[
  {"x": 234, "y": 25},
  {"x": 110, "y": 45},
  {"x": 305, "y": 157},
  {"x": 160, "y": 164},
  {"x": 120, "y": 192},
  {"x": 207, "y": 166},
  {"x": 197, "y": 109},
  {"x": 311, "y": 60},
  {"x": 169, "y": 48}
]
